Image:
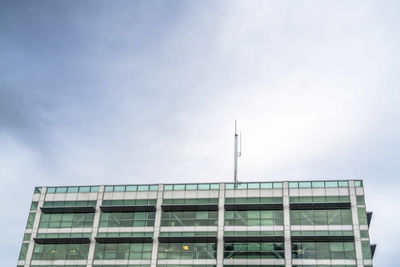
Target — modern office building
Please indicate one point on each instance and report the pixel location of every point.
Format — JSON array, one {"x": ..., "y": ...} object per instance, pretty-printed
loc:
[{"x": 259, "y": 224}]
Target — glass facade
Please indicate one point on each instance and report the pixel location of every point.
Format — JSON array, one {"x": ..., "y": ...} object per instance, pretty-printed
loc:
[{"x": 134, "y": 222}]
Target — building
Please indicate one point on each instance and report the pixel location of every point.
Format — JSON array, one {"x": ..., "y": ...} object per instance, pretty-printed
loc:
[{"x": 309, "y": 224}]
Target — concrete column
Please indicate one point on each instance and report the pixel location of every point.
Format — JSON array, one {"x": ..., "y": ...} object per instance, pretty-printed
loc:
[
  {"x": 221, "y": 222},
  {"x": 286, "y": 227},
  {"x": 35, "y": 227},
  {"x": 157, "y": 225},
  {"x": 356, "y": 225},
  {"x": 95, "y": 226}
]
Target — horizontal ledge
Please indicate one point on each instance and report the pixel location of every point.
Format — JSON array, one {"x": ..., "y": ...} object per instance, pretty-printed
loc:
[
  {"x": 49, "y": 210},
  {"x": 72, "y": 240},
  {"x": 189, "y": 207},
  {"x": 322, "y": 238},
  {"x": 320, "y": 206},
  {"x": 127, "y": 208},
  {"x": 369, "y": 217},
  {"x": 254, "y": 206},
  {"x": 373, "y": 248},
  {"x": 188, "y": 239},
  {"x": 138, "y": 239},
  {"x": 231, "y": 239}
]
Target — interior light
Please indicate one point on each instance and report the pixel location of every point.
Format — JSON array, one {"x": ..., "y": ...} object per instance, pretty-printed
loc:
[{"x": 185, "y": 247}]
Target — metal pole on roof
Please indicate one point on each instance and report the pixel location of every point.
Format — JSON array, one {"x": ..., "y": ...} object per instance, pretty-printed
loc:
[{"x": 237, "y": 153}]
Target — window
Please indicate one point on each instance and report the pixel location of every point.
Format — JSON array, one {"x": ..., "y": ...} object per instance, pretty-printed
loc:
[
  {"x": 60, "y": 252},
  {"x": 27, "y": 237},
  {"x": 88, "y": 203},
  {"x": 38, "y": 190},
  {"x": 360, "y": 200},
  {"x": 253, "y": 233},
  {"x": 123, "y": 251},
  {"x": 31, "y": 220},
  {"x": 125, "y": 234},
  {"x": 187, "y": 251},
  {"x": 66, "y": 220},
  {"x": 358, "y": 183},
  {"x": 257, "y": 200},
  {"x": 178, "y": 201},
  {"x": 34, "y": 205},
  {"x": 366, "y": 250},
  {"x": 323, "y": 250},
  {"x": 364, "y": 234},
  {"x": 182, "y": 187},
  {"x": 127, "y": 219},
  {"x": 72, "y": 189},
  {"x": 320, "y": 199},
  {"x": 129, "y": 202},
  {"x": 24, "y": 250},
  {"x": 254, "y": 250},
  {"x": 253, "y": 217},
  {"x": 189, "y": 218},
  {"x": 362, "y": 216},
  {"x": 320, "y": 217}
]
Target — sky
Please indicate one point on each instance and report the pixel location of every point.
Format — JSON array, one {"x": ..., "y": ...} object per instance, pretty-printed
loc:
[{"x": 126, "y": 92}]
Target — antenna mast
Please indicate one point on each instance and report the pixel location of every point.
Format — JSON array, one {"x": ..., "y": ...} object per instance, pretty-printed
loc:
[{"x": 237, "y": 153}]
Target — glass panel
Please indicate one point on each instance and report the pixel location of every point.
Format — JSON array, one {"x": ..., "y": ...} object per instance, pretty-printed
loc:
[
  {"x": 358, "y": 183},
  {"x": 109, "y": 188},
  {"x": 214, "y": 186},
  {"x": 304, "y": 184},
  {"x": 266, "y": 185},
  {"x": 131, "y": 188},
  {"x": 72, "y": 189},
  {"x": 119, "y": 188},
  {"x": 94, "y": 189},
  {"x": 204, "y": 187},
  {"x": 318, "y": 184},
  {"x": 143, "y": 188},
  {"x": 168, "y": 187},
  {"x": 331, "y": 184},
  {"x": 253, "y": 185},
  {"x": 153, "y": 187},
  {"x": 179, "y": 187},
  {"x": 229, "y": 186},
  {"x": 191, "y": 187},
  {"x": 51, "y": 190},
  {"x": 34, "y": 205},
  {"x": 38, "y": 190},
  {"x": 61, "y": 190},
  {"x": 277, "y": 185},
  {"x": 293, "y": 184},
  {"x": 84, "y": 189}
]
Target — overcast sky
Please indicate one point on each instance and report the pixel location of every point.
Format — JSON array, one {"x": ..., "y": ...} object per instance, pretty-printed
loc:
[{"x": 114, "y": 92}]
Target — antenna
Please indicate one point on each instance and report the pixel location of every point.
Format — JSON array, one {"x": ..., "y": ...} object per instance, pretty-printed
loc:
[{"x": 237, "y": 153}]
